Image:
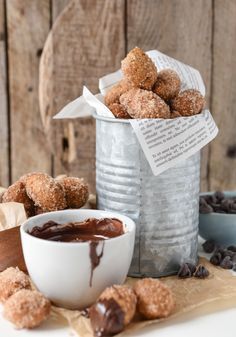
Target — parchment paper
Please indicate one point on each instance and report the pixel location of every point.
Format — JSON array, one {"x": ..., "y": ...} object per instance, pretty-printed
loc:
[
  {"x": 217, "y": 292},
  {"x": 192, "y": 295},
  {"x": 165, "y": 142},
  {"x": 11, "y": 214}
]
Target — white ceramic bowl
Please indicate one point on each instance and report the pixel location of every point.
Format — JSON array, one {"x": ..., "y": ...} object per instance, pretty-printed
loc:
[{"x": 61, "y": 270}]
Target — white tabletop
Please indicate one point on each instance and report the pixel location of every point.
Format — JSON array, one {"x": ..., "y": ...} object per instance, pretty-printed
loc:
[{"x": 220, "y": 324}]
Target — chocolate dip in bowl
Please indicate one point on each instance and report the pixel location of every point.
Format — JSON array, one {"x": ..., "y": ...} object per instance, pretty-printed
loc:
[{"x": 73, "y": 255}]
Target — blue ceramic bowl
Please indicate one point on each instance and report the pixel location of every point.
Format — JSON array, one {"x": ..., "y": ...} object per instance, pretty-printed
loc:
[{"x": 219, "y": 227}]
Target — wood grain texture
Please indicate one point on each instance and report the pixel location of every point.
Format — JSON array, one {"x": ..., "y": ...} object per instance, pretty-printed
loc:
[
  {"x": 179, "y": 28},
  {"x": 28, "y": 25},
  {"x": 57, "y": 7},
  {"x": 4, "y": 132},
  {"x": 223, "y": 149},
  {"x": 92, "y": 45}
]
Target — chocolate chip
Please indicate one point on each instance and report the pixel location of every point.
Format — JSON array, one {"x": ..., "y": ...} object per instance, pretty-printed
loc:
[
  {"x": 220, "y": 250},
  {"x": 219, "y": 195},
  {"x": 201, "y": 272},
  {"x": 227, "y": 204},
  {"x": 204, "y": 208},
  {"x": 184, "y": 271},
  {"x": 228, "y": 253},
  {"x": 209, "y": 246},
  {"x": 211, "y": 199},
  {"x": 192, "y": 267},
  {"x": 217, "y": 203},
  {"x": 232, "y": 248},
  {"x": 216, "y": 259},
  {"x": 226, "y": 263},
  {"x": 216, "y": 207}
]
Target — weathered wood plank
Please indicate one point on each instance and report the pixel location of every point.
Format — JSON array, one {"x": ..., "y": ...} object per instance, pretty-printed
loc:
[
  {"x": 57, "y": 7},
  {"x": 223, "y": 148},
  {"x": 28, "y": 25},
  {"x": 4, "y": 132},
  {"x": 179, "y": 28},
  {"x": 86, "y": 42}
]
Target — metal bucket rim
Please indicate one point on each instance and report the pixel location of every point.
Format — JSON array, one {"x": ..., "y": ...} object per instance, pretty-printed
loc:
[{"x": 108, "y": 119}]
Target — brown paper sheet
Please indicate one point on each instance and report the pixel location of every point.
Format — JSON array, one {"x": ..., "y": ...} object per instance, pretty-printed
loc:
[
  {"x": 217, "y": 292},
  {"x": 193, "y": 296}
]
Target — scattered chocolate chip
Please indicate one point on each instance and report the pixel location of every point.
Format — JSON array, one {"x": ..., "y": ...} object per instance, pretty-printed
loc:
[
  {"x": 228, "y": 253},
  {"x": 184, "y": 271},
  {"x": 220, "y": 250},
  {"x": 209, "y": 246},
  {"x": 201, "y": 272},
  {"x": 191, "y": 267},
  {"x": 216, "y": 259},
  {"x": 226, "y": 263}
]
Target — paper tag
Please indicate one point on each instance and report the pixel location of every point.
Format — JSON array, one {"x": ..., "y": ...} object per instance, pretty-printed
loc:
[{"x": 167, "y": 142}]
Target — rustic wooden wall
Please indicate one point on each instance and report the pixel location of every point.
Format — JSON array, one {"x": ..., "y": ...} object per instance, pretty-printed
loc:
[{"x": 87, "y": 39}]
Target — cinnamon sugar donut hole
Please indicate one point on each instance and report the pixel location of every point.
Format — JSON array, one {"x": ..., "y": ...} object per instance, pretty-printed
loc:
[
  {"x": 113, "y": 95},
  {"x": 139, "y": 69},
  {"x": 167, "y": 85},
  {"x": 76, "y": 191},
  {"x": 11, "y": 281},
  {"x": 188, "y": 102},
  {"x": 119, "y": 111},
  {"x": 17, "y": 193},
  {"x": 141, "y": 103},
  {"x": 155, "y": 299},
  {"x": 46, "y": 193},
  {"x": 27, "y": 309}
]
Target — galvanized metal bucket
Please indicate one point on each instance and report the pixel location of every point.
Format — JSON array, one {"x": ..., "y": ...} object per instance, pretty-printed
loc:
[{"x": 164, "y": 207}]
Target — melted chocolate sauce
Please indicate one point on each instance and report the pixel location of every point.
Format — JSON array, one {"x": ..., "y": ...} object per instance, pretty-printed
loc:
[
  {"x": 107, "y": 318},
  {"x": 94, "y": 257},
  {"x": 88, "y": 230},
  {"x": 91, "y": 230},
  {"x": 85, "y": 312}
]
